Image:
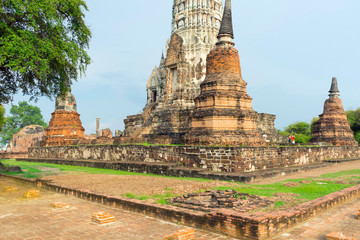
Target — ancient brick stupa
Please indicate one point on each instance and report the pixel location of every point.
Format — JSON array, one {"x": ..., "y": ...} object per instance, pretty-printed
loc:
[
  {"x": 65, "y": 127},
  {"x": 333, "y": 126},
  {"x": 223, "y": 113}
]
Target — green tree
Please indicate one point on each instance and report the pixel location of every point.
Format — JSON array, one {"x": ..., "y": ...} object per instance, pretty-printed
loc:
[
  {"x": 313, "y": 121},
  {"x": 301, "y": 130},
  {"x": 20, "y": 117},
  {"x": 43, "y": 46},
  {"x": 2, "y": 116},
  {"x": 354, "y": 119}
]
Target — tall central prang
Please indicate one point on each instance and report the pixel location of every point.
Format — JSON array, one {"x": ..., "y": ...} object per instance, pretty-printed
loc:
[
  {"x": 175, "y": 88},
  {"x": 173, "y": 85}
]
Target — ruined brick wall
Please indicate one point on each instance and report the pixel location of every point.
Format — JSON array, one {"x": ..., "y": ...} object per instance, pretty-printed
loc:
[
  {"x": 266, "y": 125},
  {"x": 226, "y": 159},
  {"x": 65, "y": 128},
  {"x": 29, "y": 136},
  {"x": 13, "y": 155}
]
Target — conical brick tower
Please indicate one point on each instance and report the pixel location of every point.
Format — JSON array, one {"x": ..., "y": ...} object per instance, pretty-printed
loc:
[
  {"x": 223, "y": 113},
  {"x": 65, "y": 127},
  {"x": 333, "y": 126}
]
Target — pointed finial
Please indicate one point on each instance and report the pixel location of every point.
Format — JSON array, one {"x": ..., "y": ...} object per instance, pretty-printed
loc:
[
  {"x": 334, "y": 91},
  {"x": 226, "y": 33},
  {"x": 162, "y": 61}
]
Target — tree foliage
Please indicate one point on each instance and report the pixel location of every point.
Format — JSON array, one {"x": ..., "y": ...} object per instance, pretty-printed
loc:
[
  {"x": 42, "y": 46},
  {"x": 2, "y": 116},
  {"x": 20, "y": 117},
  {"x": 354, "y": 119},
  {"x": 301, "y": 130}
]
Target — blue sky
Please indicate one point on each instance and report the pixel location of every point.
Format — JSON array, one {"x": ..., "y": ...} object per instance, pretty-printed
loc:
[{"x": 289, "y": 51}]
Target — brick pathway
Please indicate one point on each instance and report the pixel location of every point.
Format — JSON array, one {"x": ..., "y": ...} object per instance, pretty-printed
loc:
[
  {"x": 342, "y": 219},
  {"x": 34, "y": 219}
]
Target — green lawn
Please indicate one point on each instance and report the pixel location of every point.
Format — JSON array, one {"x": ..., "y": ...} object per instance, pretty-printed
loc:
[
  {"x": 27, "y": 165},
  {"x": 315, "y": 189},
  {"x": 318, "y": 187}
]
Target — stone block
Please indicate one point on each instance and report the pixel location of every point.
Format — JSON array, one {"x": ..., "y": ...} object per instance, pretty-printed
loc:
[
  {"x": 103, "y": 218},
  {"x": 338, "y": 236},
  {"x": 32, "y": 194},
  {"x": 59, "y": 205},
  {"x": 183, "y": 234},
  {"x": 11, "y": 189}
]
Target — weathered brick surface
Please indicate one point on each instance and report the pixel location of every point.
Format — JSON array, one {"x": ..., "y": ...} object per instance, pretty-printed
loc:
[
  {"x": 257, "y": 225},
  {"x": 225, "y": 159},
  {"x": 223, "y": 113},
  {"x": 58, "y": 205},
  {"x": 333, "y": 126},
  {"x": 29, "y": 136},
  {"x": 338, "y": 236},
  {"x": 32, "y": 194},
  {"x": 10, "y": 189},
  {"x": 65, "y": 128},
  {"x": 103, "y": 218},
  {"x": 182, "y": 234}
]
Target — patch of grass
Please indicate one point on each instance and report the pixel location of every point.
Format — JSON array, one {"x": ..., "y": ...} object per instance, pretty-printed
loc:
[
  {"x": 158, "y": 198},
  {"x": 305, "y": 191},
  {"x": 279, "y": 204},
  {"x": 342, "y": 173},
  {"x": 26, "y": 165}
]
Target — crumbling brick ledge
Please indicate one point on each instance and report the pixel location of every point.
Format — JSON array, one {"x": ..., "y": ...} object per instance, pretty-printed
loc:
[{"x": 245, "y": 226}]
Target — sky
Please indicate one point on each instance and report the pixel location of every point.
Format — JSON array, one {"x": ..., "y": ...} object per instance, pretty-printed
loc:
[{"x": 289, "y": 52}]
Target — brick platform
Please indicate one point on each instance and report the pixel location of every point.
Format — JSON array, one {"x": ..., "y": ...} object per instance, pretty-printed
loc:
[
  {"x": 259, "y": 225},
  {"x": 212, "y": 159},
  {"x": 32, "y": 194},
  {"x": 11, "y": 189},
  {"x": 172, "y": 169},
  {"x": 338, "y": 236},
  {"x": 59, "y": 205},
  {"x": 103, "y": 218},
  {"x": 183, "y": 234},
  {"x": 35, "y": 220}
]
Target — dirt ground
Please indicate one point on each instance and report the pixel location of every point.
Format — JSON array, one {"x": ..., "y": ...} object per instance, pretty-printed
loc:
[
  {"x": 313, "y": 173},
  {"x": 139, "y": 185},
  {"x": 145, "y": 185}
]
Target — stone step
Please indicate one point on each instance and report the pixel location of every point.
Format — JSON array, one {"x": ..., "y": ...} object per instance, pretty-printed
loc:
[
  {"x": 341, "y": 160},
  {"x": 252, "y": 176},
  {"x": 173, "y": 169}
]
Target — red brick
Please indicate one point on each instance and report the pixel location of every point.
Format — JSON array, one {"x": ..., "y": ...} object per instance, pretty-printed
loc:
[
  {"x": 183, "y": 234},
  {"x": 338, "y": 236}
]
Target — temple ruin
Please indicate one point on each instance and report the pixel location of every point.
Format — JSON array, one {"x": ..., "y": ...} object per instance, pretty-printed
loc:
[
  {"x": 223, "y": 111},
  {"x": 333, "y": 126},
  {"x": 65, "y": 127},
  {"x": 173, "y": 86}
]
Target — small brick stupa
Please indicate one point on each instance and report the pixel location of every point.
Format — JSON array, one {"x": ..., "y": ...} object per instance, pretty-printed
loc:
[
  {"x": 333, "y": 126},
  {"x": 223, "y": 113},
  {"x": 65, "y": 127}
]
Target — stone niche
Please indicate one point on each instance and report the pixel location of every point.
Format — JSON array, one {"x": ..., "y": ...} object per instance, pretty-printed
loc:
[
  {"x": 65, "y": 127},
  {"x": 333, "y": 126}
]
